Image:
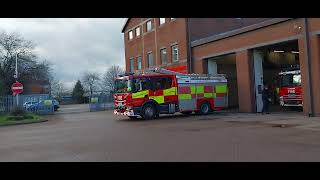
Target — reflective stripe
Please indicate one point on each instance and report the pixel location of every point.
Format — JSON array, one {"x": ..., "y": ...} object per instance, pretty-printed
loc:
[
  {"x": 170, "y": 91},
  {"x": 140, "y": 94},
  {"x": 200, "y": 89},
  {"x": 184, "y": 96},
  {"x": 208, "y": 95},
  {"x": 193, "y": 89},
  {"x": 158, "y": 99},
  {"x": 221, "y": 88}
]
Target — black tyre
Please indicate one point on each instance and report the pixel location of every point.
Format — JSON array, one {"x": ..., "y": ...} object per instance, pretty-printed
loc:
[
  {"x": 186, "y": 112},
  {"x": 149, "y": 111},
  {"x": 204, "y": 108},
  {"x": 133, "y": 117}
]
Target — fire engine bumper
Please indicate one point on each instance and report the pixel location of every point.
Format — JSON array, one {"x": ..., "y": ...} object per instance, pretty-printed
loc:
[
  {"x": 124, "y": 113},
  {"x": 292, "y": 103}
]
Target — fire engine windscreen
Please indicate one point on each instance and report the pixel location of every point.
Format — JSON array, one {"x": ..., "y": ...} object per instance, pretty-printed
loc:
[
  {"x": 132, "y": 85},
  {"x": 122, "y": 85},
  {"x": 291, "y": 80}
]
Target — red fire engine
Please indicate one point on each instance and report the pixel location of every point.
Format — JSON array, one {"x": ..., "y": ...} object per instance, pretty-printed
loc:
[
  {"x": 290, "y": 91},
  {"x": 165, "y": 92}
]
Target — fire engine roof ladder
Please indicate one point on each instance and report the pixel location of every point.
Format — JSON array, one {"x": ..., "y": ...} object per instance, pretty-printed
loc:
[{"x": 192, "y": 76}]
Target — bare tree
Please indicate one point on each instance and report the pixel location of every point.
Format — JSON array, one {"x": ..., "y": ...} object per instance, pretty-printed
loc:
[
  {"x": 109, "y": 77},
  {"x": 57, "y": 89},
  {"x": 90, "y": 81},
  {"x": 12, "y": 44}
]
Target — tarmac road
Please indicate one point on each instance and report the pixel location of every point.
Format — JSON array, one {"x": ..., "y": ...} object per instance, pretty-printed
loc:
[{"x": 75, "y": 134}]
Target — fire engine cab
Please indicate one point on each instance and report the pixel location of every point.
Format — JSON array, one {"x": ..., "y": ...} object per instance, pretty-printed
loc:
[
  {"x": 162, "y": 91},
  {"x": 290, "y": 91}
]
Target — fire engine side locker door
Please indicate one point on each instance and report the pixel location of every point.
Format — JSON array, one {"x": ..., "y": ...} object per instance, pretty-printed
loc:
[{"x": 187, "y": 100}]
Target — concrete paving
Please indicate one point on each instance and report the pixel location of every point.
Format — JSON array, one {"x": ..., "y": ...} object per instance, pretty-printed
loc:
[{"x": 74, "y": 134}]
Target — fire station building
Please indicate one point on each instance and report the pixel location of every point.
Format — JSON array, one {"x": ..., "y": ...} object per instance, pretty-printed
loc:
[{"x": 251, "y": 52}]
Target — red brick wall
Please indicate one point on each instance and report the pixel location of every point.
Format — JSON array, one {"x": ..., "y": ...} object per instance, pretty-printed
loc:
[
  {"x": 204, "y": 27},
  {"x": 273, "y": 33},
  {"x": 167, "y": 34}
]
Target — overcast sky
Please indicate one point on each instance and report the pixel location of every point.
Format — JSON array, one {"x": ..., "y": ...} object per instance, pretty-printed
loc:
[{"x": 73, "y": 46}]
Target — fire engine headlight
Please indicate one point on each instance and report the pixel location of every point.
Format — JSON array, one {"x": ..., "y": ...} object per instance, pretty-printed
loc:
[{"x": 129, "y": 107}]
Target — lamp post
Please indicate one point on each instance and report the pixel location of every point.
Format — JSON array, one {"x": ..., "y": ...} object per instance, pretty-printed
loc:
[{"x": 16, "y": 77}]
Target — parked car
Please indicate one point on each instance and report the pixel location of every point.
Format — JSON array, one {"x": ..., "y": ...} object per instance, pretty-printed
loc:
[
  {"x": 35, "y": 106},
  {"x": 26, "y": 105}
]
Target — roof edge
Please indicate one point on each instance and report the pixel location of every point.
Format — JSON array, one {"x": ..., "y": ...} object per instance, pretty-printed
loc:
[{"x": 125, "y": 24}]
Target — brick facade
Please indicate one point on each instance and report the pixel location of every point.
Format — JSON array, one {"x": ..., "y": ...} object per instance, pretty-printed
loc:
[
  {"x": 172, "y": 32},
  {"x": 240, "y": 44}
]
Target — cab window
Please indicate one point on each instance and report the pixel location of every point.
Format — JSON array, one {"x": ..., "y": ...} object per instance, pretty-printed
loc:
[
  {"x": 141, "y": 84},
  {"x": 160, "y": 83}
]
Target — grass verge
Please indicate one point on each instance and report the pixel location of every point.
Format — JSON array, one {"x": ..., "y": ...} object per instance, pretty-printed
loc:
[{"x": 5, "y": 120}]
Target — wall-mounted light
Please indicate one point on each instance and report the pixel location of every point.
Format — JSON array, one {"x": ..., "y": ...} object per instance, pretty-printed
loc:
[
  {"x": 295, "y": 52},
  {"x": 278, "y": 51}
]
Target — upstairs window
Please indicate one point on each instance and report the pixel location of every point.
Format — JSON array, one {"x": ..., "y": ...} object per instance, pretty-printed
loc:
[
  {"x": 138, "y": 31},
  {"x": 163, "y": 55},
  {"x": 149, "y": 26},
  {"x": 175, "y": 53},
  {"x": 130, "y": 35},
  {"x": 139, "y": 63},
  {"x": 162, "y": 21},
  {"x": 150, "y": 59},
  {"x": 131, "y": 64}
]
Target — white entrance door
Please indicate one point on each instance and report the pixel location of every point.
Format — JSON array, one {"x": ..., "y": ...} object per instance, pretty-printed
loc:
[{"x": 258, "y": 77}]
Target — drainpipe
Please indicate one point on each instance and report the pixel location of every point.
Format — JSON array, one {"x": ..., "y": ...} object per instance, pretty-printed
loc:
[
  {"x": 189, "y": 54},
  {"x": 307, "y": 58}
]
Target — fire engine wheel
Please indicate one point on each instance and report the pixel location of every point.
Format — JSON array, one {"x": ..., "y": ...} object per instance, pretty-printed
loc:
[
  {"x": 133, "y": 117},
  {"x": 186, "y": 112},
  {"x": 149, "y": 111},
  {"x": 204, "y": 108}
]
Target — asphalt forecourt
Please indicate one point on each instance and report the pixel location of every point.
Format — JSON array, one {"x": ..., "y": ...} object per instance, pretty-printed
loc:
[{"x": 103, "y": 136}]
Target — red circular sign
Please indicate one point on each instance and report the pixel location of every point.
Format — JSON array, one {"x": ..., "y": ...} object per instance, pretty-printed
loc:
[{"x": 17, "y": 88}]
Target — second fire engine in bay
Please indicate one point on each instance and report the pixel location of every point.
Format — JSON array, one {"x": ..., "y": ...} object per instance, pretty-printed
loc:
[{"x": 166, "y": 92}]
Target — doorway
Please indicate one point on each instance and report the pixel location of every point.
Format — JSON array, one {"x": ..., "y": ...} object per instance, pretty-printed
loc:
[{"x": 269, "y": 64}]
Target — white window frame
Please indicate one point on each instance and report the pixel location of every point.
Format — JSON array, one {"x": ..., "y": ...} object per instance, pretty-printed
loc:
[
  {"x": 130, "y": 34},
  {"x": 172, "y": 52},
  {"x": 150, "y": 25},
  {"x": 139, "y": 62},
  {"x": 131, "y": 64},
  {"x": 138, "y": 28},
  {"x": 161, "y": 50},
  {"x": 148, "y": 55},
  {"x": 164, "y": 21}
]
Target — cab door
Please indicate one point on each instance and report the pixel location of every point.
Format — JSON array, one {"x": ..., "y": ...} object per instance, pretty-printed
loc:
[{"x": 140, "y": 90}]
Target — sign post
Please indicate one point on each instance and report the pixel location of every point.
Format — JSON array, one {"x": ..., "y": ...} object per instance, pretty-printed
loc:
[{"x": 17, "y": 88}]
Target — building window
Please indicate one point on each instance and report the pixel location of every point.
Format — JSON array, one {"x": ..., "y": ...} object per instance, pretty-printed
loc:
[
  {"x": 138, "y": 31},
  {"x": 175, "y": 53},
  {"x": 150, "y": 59},
  {"x": 149, "y": 26},
  {"x": 163, "y": 54},
  {"x": 131, "y": 64},
  {"x": 162, "y": 21},
  {"x": 172, "y": 19},
  {"x": 139, "y": 63},
  {"x": 130, "y": 35}
]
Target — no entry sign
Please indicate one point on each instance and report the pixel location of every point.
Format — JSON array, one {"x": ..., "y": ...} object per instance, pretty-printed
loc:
[{"x": 17, "y": 88}]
